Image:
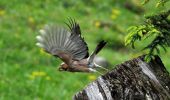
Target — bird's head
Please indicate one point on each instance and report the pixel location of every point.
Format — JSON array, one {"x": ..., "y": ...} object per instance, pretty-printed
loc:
[{"x": 63, "y": 67}]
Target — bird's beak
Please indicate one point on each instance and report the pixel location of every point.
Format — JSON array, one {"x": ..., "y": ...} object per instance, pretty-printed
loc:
[{"x": 60, "y": 69}]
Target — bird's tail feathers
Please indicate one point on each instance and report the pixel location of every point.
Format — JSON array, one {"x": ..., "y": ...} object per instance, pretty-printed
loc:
[
  {"x": 96, "y": 51},
  {"x": 99, "y": 47}
]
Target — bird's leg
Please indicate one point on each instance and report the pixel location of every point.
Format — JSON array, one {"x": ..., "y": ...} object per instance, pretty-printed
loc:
[
  {"x": 93, "y": 70},
  {"x": 96, "y": 65}
]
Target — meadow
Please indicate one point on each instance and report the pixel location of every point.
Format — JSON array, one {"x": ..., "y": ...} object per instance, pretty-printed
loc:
[{"x": 28, "y": 73}]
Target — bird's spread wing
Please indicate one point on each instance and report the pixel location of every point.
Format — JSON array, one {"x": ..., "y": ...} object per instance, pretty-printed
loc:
[
  {"x": 76, "y": 37},
  {"x": 63, "y": 43}
]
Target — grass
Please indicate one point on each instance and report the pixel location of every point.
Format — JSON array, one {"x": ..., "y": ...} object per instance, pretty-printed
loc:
[{"x": 27, "y": 73}]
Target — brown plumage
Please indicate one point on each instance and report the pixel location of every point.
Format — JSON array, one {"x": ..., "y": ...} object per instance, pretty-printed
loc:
[{"x": 69, "y": 46}]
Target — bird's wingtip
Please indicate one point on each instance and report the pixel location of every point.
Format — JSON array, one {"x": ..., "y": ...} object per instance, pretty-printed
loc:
[
  {"x": 39, "y": 38},
  {"x": 40, "y": 45},
  {"x": 42, "y": 31}
]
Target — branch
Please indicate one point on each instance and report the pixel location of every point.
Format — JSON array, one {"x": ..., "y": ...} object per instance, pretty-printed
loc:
[{"x": 131, "y": 80}]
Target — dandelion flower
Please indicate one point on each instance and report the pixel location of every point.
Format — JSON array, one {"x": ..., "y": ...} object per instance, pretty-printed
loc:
[
  {"x": 113, "y": 16},
  {"x": 38, "y": 73},
  {"x": 91, "y": 77},
  {"x": 2, "y": 12},
  {"x": 97, "y": 24},
  {"x": 115, "y": 11},
  {"x": 31, "y": 20}
]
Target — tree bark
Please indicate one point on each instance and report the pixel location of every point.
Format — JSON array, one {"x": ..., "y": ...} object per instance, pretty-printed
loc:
[{"x": 132, "y": 80}]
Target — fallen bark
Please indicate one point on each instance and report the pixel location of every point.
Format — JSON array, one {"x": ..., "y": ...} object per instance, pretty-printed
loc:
[{"x": 131, "y": 80}]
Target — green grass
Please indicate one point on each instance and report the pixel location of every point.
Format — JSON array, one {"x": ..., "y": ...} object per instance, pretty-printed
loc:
[{"x": 26, "y": 73}]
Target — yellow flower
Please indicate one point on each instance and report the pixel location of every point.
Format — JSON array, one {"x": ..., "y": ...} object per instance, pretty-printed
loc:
[
  {"x": 115, "y": 11},
  {"x": 2, "y": 12},
  {"x": 97, "y": 23},
  {"x": 91, "y": 77},
  {"x": 113, "y": 16},
  {"x": 31, "y": 20},
  {"x": 38, "y": 73}
]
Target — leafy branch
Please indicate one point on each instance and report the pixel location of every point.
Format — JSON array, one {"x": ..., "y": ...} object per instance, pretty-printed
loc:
[
  {"x": 157, "y": 26},
  {"x": 158, "y": 4}
]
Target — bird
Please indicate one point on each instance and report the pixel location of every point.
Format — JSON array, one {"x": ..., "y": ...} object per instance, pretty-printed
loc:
[{"x": 68, "y": 45}]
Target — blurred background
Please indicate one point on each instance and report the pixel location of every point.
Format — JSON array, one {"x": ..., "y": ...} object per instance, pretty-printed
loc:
[{"x": 28, "y": 73}]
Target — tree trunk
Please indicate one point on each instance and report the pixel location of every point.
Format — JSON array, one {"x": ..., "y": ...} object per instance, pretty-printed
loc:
[{"x": 131, "y": 80}]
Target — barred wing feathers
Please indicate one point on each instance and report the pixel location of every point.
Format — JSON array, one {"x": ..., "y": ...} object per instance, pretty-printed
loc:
[{"x": 55, "y": 39}]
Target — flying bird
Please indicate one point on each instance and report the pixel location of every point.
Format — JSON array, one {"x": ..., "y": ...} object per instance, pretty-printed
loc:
[{"x": 69, "y": 46}]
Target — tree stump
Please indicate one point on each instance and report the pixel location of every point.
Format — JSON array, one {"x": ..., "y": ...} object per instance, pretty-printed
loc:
[{"x": 132, "y": 80}]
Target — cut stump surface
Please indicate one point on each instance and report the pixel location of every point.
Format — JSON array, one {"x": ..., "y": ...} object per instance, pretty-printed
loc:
[{"x": 131, "y": 80}]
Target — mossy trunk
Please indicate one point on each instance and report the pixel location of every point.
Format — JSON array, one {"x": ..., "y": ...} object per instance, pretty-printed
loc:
[{"x": 131, "y": 80}]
